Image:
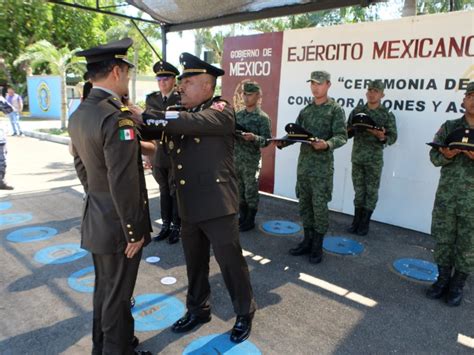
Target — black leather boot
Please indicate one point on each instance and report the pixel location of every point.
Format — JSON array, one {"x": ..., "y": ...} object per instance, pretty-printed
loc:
[
  {"x": 364, "y": 222},
  {"x": 455, "y": 288},
  {"x": 316, "y": 255},
  {"x": 356, "y": 221},
  {"x": 174, "y": 234},
  {"x": 249, "y": 222},
  {"x": 164, "y": 232},
  {"x": 441, "y": 286},
  {"x": 243, "y": 210},
  {"x": 305, "y": 246}
]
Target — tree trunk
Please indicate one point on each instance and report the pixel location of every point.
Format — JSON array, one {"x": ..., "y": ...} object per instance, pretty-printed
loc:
[
  {"x": 409, "y": 8},
  {"x": 63, "y": 101}
]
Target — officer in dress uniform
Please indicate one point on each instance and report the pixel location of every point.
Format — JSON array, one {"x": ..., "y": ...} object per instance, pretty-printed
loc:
[
  {"x": 116, "y": 222},
  {"x": 202, "y": 156},
  {"x": 160, "y": 100}
]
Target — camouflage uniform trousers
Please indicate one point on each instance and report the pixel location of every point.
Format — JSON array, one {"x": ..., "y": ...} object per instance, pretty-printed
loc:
[
  {"x": 247, "y": 177},
  {"x": 314, "y": 193},
  {"x": 3, "y": 160},
  {"x": 366, "y": 181},
  {"x": 453, "y": 229}
]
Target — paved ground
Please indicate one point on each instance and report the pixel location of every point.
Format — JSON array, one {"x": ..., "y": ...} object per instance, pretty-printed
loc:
[{"x": 346, "y": 305}]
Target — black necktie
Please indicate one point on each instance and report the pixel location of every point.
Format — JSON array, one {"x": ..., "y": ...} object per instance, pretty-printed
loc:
[{"x": 165, "y": 99}]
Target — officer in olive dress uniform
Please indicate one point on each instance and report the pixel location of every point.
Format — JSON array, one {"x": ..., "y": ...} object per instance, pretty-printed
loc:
[
  {"x": 452, "y": 224},
  {"x": 160, "y": 100},
  {"x": 116, "y": 222},
  {"x": 202, "y": 155}
]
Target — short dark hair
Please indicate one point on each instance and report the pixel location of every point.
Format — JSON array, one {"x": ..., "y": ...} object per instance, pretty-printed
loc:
[{"x": 100, "y": 70}]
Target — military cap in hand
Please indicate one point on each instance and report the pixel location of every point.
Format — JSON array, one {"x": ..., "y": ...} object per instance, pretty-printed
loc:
[
  {"x": 461, "y": 138},
  {"x": 192, "y": 65},
  {"x": 362, "y": 121},
  {"x": 296, "y": 134},
  {"x": 112, "y": 50},
  {"x": 165, "y": 69}
]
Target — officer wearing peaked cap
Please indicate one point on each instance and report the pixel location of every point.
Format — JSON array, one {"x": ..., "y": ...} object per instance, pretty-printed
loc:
[
  {"x": 367, "y": 152},
  {"x": 116, "y": 223},
  {"x": 160, "y": 100},
  {"x": 203, "y": 164},
  {"x": 452, "y": 220}
]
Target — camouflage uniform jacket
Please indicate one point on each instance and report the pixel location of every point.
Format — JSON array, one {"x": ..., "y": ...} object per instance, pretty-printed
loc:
[
  {"x": 457, "y": 174},
  {"x": 259, "y": 124},
  {"x": 368, "y": 148},
  {"x": 325, "y": 121}
]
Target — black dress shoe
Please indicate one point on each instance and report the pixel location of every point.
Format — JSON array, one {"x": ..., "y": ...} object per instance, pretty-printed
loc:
[
  {"x": 174, "y": 235},
  {"x": 188, "y": 322},
  {"x": 135, "y": 342},
  {"x": 242, "y": 328},
  {"x": 164, "y": 233}
]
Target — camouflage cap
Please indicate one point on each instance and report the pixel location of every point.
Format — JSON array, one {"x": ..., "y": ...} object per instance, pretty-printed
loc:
[
  {"x": 251, "y": 87},
  {"x": 319, "y": 77},
  {"x": 377, "y": 85},
  {"x": 469, "y": 88}
]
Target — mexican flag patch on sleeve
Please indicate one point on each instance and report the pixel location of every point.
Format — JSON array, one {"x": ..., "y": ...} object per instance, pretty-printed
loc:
[{"x": 127, "y": 134}]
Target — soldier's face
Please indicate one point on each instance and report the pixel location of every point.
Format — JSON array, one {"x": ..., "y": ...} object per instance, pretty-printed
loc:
[
  {"x": 320, "y": 90},
  {"x": 468, "y": 103},
  {"x": 374, "y": 96},
  {"x": 251, "y": 98},
  {"x": 194, "y": 90},
  {"x": 166, "y": 84}
]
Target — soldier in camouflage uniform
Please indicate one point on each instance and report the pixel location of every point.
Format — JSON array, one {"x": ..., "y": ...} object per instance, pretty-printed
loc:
[
  {"x": 367, "y": 155},
  {"x": 452, "y": 221},
  {"x": 257, "y": 129},
  {"x": 325, "y": 119}
]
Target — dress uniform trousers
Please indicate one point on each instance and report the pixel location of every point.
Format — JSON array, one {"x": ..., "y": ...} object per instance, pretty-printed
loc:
[
  {"x": 113, "y": 324},
  {"x": 223, "y": 234},
  {"x": 168, "y": 202}
]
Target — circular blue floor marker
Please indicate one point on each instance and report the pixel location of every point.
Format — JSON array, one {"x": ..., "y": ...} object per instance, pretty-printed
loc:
[
  {"x": 60, "y": 254},
  {"x": 417, "y": 269},
  {"x": 281, "y": 227},
  {"x": 82, "y": 280},
  {"x": 5, "y": 205},
  {"x": 220, "y": 344},
  {"x": 155, "y": 311},
  {"x": 31, "y": 234},
  {"x": 344, "y": 246},
  {"x": 14, "y": 218}
]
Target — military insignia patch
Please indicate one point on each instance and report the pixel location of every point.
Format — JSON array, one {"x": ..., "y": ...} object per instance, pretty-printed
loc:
[
  {"x": 127, "y": 134},
  {"x": 219, "y": 106},
  {"x": 125, "y": 122}
]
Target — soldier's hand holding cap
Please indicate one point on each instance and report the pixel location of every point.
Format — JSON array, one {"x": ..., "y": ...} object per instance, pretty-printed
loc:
[
  {"x": 449, "y": 153},
  {"x": 469, "y": 154},
  {"x": 248, "y": 136},
  {"x": 320, "y": 144}
]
